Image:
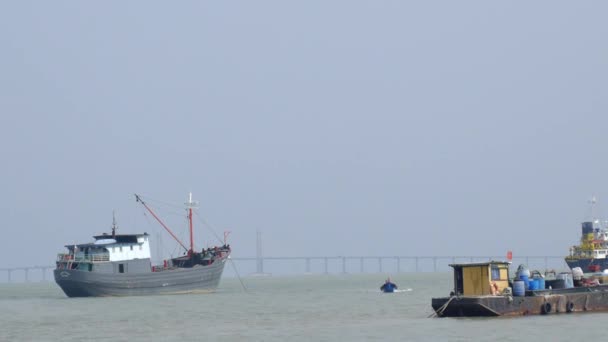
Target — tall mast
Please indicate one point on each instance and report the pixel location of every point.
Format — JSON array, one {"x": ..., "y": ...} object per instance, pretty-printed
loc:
[
  {"x": 190, "y": 205},
  {"x": 113, "y": 225}
]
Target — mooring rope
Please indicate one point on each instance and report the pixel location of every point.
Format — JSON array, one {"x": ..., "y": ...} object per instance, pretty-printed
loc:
[
  {"x": 237, "y": 275},
  {"x": 439, "y": 312}
]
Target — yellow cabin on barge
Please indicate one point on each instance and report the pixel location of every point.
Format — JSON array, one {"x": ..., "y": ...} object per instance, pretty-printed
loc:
[{"x": 481, "y": 279}]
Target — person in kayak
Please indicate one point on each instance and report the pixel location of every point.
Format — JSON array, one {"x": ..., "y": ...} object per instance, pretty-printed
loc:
[{"x": 388, "y": 286}]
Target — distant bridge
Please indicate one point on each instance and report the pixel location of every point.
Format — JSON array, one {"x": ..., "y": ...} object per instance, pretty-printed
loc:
[
  {"x": 400, "y": 263},
  {"x": 42, "y": 272},
  {"x": 339, "y": 264}
]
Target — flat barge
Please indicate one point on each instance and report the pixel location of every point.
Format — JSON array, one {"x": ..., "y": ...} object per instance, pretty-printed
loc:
[{"x": 484, "y": 289}]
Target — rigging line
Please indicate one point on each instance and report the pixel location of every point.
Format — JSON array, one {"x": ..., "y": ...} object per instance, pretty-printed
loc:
[
  {"x": 138, "y": 199},
  {"x": 169, "y": 204},
  {"x": 173, "y": 213},
  {"x": 203, "y": 221},
  {"x": 164, "y": 210},
  {"x": 175, "y": 246},
  {"x": 175, "y": 252},
  {"x": 185, "y": 230},
  {"x": 237, "y": 275}
]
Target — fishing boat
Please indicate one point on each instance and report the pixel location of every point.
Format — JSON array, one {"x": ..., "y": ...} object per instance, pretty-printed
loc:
[
  {"x": 486, "y": 289},
  {"x": 120, "y": 265},
  {"x": 592, "y": 252}
]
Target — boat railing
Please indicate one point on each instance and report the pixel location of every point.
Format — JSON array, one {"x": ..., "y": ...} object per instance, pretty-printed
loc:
[
  {"x": 93, "y": 257},
  {"x": 65, "y": 257},
  {"x": 80, "y": 257}
]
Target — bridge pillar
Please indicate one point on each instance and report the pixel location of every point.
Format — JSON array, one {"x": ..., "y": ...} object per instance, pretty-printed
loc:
[
  {"x": 416, "y": 260},
  {"x": 344, "y": 265},
  {"x": 10, "y": 273},
  {"x": 361, "y": 263},
  {"x": 471, "y": 259},
  {"x": 27, "y": 275},
  {"x": 453, "y": 260},
  {"x": 434, "y": 264},
  {"x": 43, "y": 270},
  {"x": 307, "y": 265}
]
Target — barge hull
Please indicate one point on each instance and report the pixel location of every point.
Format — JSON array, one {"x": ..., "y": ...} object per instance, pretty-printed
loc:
[{"x": 541, "y": 302}]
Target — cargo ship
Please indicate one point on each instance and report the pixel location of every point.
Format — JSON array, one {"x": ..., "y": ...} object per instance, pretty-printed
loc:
[
  {"x": 591, "y": 254},
  {"x": 486, "y": 289},
  {"x": 120, "y": 265}
]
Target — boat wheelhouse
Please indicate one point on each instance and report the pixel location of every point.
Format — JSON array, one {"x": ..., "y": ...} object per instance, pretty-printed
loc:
[
  {"x": 480, "y": 279},
  {"x": 109, "y": 253}
]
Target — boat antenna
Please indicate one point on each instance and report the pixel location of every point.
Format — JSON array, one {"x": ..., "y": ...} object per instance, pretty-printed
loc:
[
  {"x": 592, "y": 203},
  {"x": 113, "y": 225},
  {"x": 190, "y": 205},
  {"x": 138, "y": 199},
  {"x": 226, "y": 233}
]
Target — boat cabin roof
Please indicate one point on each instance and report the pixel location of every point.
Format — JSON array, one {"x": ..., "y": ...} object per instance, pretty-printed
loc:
[
  {"x": 122, "y": 238},
  {"x": 486, "y": 263}
]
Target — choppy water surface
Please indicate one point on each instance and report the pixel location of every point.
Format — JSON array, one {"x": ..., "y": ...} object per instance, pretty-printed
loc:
[{"x": 304, "y": 308}]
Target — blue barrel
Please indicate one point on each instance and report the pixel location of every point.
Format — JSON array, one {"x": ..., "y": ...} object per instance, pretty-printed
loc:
[
  {"x": 519, "y": 289},
  {"x": 536, "y": 284},
  {"x": 522, "y": 270},
  {"x": 541, "y": 283},
  {"x": 533, "y": 284},
  {"x": 526, "y": 281}
]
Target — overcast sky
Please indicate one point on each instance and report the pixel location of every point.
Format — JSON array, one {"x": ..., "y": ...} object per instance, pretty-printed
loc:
[{"x": 334, "y": 127}]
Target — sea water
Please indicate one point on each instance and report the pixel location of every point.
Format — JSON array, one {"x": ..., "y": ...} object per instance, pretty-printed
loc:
[{"x": 294, "y": 308}]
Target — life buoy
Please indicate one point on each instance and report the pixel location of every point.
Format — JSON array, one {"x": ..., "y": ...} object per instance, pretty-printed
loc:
[
  {"x": 546, "y": 308},
  {"x": 569, "y": 307},
  {"x": 494, "y": 288}
]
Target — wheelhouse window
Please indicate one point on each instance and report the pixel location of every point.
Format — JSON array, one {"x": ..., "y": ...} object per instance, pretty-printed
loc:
[
  {"x": 121, "y": 268},
  {"x": 496, "y": 273}
]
